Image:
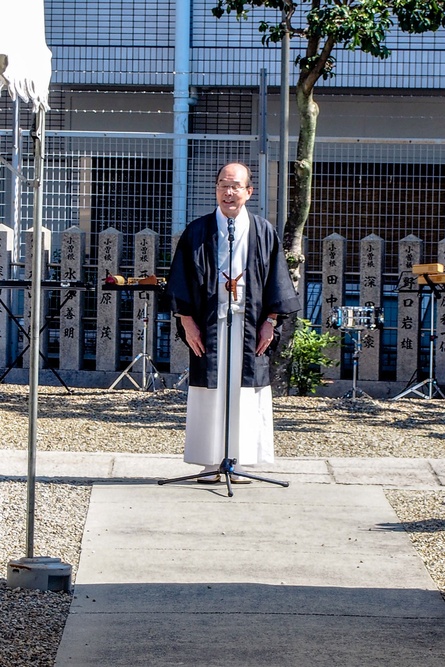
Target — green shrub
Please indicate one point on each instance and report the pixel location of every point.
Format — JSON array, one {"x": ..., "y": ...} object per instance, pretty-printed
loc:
[{"x": 306, "y": 354}]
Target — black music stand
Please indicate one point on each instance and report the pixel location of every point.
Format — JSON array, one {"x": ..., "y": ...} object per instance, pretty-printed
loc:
[{"x": 227, "y": 465}]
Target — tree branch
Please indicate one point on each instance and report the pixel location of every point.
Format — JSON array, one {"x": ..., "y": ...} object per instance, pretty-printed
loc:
[{"x": 313, "y": 76}]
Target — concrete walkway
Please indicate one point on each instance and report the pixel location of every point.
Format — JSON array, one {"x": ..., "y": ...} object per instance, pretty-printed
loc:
[{"x": 317, "y": 574}]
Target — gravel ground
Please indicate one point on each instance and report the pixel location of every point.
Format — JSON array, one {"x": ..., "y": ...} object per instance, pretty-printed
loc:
[
  {"x": 94, "y": 420},
  {"x": 32, "y": 622}
]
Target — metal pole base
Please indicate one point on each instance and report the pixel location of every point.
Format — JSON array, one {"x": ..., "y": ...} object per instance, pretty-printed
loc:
[
  {"x": 355, "y": 392},
  {"x": 226, "y": 468},
  {"x": 42, "y": 573}
]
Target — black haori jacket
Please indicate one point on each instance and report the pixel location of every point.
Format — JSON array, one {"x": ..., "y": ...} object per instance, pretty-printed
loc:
[{"x": 193, "y": 289}]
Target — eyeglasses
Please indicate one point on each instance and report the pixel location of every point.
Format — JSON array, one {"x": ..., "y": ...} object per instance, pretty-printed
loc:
[{"x": 235, "y": 187}]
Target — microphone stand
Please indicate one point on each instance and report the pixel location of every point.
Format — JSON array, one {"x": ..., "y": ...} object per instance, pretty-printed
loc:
[{"x": 227, "y": 465}]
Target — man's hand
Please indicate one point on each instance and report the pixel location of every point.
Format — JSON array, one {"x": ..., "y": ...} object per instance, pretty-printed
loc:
[
  {"x": 265, "y": 338},
  {"x": 193, "y": 335}
]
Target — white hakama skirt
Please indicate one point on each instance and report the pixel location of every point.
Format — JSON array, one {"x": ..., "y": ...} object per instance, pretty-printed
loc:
[{"x": 250, "y": 428}]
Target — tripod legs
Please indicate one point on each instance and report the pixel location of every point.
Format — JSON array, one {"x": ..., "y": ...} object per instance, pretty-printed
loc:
[
  {"x": 425, "y": 389},
  {"x": 200, "y": 475},
  {"x": 355, "y": 392},
  {"x": 226, "y": 468},
  {"x": 149, "y": 371},
  {"x": 184, "y": 376},
  {"x": 148, "y": 378}
]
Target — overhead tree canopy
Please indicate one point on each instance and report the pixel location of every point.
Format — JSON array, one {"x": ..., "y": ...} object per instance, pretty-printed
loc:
[{"x": 321, "y": 26}]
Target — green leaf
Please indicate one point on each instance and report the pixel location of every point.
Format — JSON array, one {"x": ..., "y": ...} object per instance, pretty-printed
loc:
[{"x": 306, "y": 354}]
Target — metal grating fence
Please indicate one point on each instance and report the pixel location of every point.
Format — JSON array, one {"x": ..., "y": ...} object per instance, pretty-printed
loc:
[
  {"x": 131, "y": 42},
  {"x": 388, "y": 188},
  {"x": 97, "y": 180}
]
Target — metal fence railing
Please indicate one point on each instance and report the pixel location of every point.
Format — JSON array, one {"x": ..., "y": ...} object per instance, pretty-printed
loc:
[{"x": 392, "y": 188}]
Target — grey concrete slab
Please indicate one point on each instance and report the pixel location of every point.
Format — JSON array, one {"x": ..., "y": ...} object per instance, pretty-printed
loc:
[
  {"x": 253, "y": 638},
  {"x": 302, "y": 469},
  {"x": 73, "y": 465},
  {"x": 301, "y": 534},
  {"x": 13, "y": 462},
  {"x": 315, "y": 574},
  {"x": 100, "y": 465},
  {"x": 438, "y": 466},
  {"x": 165, "y": 467},
  {"x": 235, "y": 597},
  {"x": 151, "y": 466},
  {"x": 302, "y": 517},
  {"x": 293, "y": 568},
  {"x": 397, "y": 473}
]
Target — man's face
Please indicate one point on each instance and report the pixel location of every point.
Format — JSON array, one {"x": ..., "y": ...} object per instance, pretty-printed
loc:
[{"x": 232, "y": 191}]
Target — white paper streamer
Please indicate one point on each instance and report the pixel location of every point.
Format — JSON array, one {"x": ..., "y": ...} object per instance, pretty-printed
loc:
[{"x": 25, "y": 60}]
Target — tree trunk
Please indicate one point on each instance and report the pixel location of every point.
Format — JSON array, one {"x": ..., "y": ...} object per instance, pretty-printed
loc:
[{"x": 293, "y": 235}]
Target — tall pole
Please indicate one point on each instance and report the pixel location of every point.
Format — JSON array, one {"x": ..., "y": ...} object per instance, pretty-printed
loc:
[
  {"x": 284, "y": 133},
  {"x": 262, "y": 166},
  {"x": 181, "y": 103},
  {"x": 432, "y": 339},
  {"x": 39, "y": 144},
  {"x": 29, "y": 55},
  {"x": 16, "y": 181},
  {"x": 16, "y": 192}
]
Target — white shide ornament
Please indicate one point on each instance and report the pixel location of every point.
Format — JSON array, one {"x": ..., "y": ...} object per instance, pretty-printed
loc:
[{"x": 25, "y": 60}]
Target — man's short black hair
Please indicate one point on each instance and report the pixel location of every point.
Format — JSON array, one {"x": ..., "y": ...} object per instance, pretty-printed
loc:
[{"x": 249, "y": 173}]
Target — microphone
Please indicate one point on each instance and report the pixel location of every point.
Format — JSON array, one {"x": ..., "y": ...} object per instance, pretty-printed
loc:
[{"x": 231, "y": 228}]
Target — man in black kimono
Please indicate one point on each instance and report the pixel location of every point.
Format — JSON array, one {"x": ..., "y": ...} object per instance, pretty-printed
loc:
[{"x": 261, "y": 293}]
